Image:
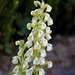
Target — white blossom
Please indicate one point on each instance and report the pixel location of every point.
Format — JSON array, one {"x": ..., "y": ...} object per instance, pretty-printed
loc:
[
  {"x": 37, "y": 45},
  {"x": 48, "y": 31},
  {"x": 43, "y": 25},
  {"x": 41, "y": 72},
  {"x": 17, "y": 42},
  {"x": 25, "y": 65},
  {"x": 29, "y": 52},
  {"x": 49, "y": 47},
  {"x": 36, "y": 3},
  {"x": 42, "y": 61},
  {"x": 43, "y": 53},
  {"x": 49, "y": 8},
  {"x": 50, "y": 64},
  {"x": 44, "y": 42},
  {"x": 46, "y": 17},
  {"x": 36, "y": 61},
  {"x": 16, "y": 70},
  {"x": 29, "y": 26},
  {"x": 28, "y": 59},
  {"x": 28, "y": 72},
  {"x": 48, "y": 37},
  {"x": 29, "y": 43},
  {"x": 15, "y": 60},
  {"x": 40, "y": 33},
  {"x": 50, "y": 21},
  {"x": 31, "y": 37}
]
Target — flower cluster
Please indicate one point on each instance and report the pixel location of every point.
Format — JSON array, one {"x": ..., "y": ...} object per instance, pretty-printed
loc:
[{"x": 37, "y": 43}]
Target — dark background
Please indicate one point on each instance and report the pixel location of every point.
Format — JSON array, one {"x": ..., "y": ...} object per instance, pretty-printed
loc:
[{"x": 15, "y": 14}]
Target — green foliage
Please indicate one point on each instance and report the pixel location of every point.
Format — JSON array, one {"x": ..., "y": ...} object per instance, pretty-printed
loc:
[
  {"x": 7, "y": 16},
  {"x": 22, "y": 25}
]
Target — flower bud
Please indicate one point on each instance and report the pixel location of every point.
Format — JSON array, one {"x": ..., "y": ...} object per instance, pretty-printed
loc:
[
  {"x": 49, "y": 47},
  {"x": 48, "y": 37},
  {"x": 49, "y": 8},
  {"x": 50, "y": 22},
  {"x": 50, "y": 64},
  {"x": 36, "y": 3},
  {"x": 15, "y": 60},
  {"x": 48, "y": 31},
  {"x": 29, "y": 26},
  {"x": 43, "y": 53},
  {"x": 17, "y": 43},
  {"x": 41, "y": 72}
]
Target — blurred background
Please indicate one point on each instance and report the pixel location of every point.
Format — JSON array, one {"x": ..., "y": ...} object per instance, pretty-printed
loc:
[{"x": 15, "y": 14}]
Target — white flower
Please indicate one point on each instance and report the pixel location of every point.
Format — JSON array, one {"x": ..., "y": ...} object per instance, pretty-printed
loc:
[
  {"x": 28, "y": 59},
  {"x": 48, "y": 31},
  {"x": 29, "y": 52},
  {"x": 28, "y": 72},
  {"x": 46, "y": 17},
  {"x": 49, "y": 8},
  {"x": 42, "y": 61},
  {"x": 15, "y": 74},
  {"x": 48, "y": 37},
  {"x": 44, "y": 42},
  {"x": 29, "y": 43},
  {"x": 50, "y": 64},
  {"x": 41, "y": 72},
  {"x": 43, "y": 25},
  {"x": 40, "y": 33},
  {"x": 50, "y": 21},
  {"x": 25, "y": 65},
  {"x": 33, "y": 13},
  {"x": 49, "y": 47},
  {"x": 17, "y": 42},
  {"x": 37, "y": 46},
  {"x": 31, "y": 37},
  {"x": 36, "y": 61},
  {"x": 15, "y": 60},
  {"x": 36, "y": 3},
  {"x": 16, "y": 69},
  {"x": 29, "y": 26},
  {"x": 43, "y": 53}
]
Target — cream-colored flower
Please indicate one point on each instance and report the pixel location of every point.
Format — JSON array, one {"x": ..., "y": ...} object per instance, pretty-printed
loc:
[
  {"x": 44, "y": 42},
  {"x": 47, "y": 16},
  {"x": 28, "y": 59},
  {"x": 16, "y": 70},
  {"x": 43, "y": 53},
  {"x": 28, "y": 72},
  {"x": 42, "y": 61},
  {"x": 29, "y": 52},
  {"x": 29, "y": 26},
  {"x": 41, "y": 72},
  {"x": 37, "y": 45},
  {"x": 25, "y": 65},
  {"x": 29, "y": 43},
  {"x": 43, "y": 25},
  {"x": 36, "y": 61},
  {"x": 15, "y": 60},
  {"x": 49, "y": 8},
  {"x": 31, "y": 37},
  {"x": 49, "y": 47},
  {"x": 48, "y": 37},
  {"x": 40, "y": 33},
  {"x": 36, "y": 3},
  {"x": 50, "y": 64},
  {"x": 50, "y": 21},
  {"x": 17, "y": 42},
  {"x": 48, "y": 31}
]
